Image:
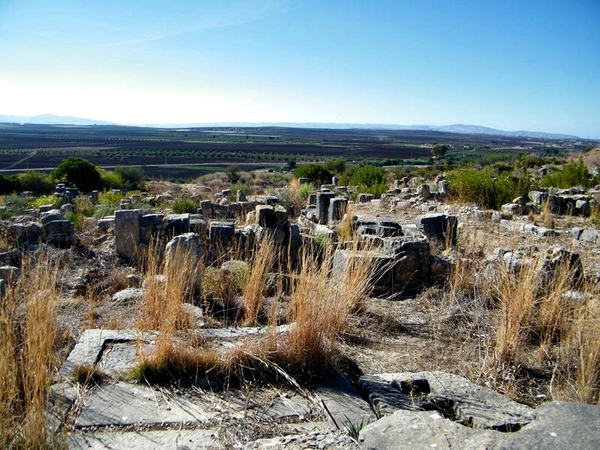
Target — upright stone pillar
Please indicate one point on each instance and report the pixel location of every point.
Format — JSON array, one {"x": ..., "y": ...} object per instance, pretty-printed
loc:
[
  {"x": 323, "y": 199},
  {"x": 127, "y": 233},
  {"x": 337, "y": 208}
]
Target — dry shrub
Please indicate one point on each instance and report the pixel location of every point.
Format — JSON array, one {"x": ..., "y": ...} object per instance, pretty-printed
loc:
[
  {"x": 165, "y": 295},
  {"x": 28, "y": 332},
  {"x": 262, "y": 263},
  {"x": 517, "y": 298},
  {"x": 323, "y": 297}
]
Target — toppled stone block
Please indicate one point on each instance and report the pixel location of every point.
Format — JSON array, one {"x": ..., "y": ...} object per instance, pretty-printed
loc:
[
  {"x": 51, "y": 215},
  {"x": 59, "y": 233},
  {"x": 176, "y": 224},
  {"x": 23, "y": 234},
  {"x": 265, "y": 216},
  {"x": 424, "y": 191},
  {"x": 221, "y": 234},
  {"x": 438, "y": 226},
  {"x": 106, "y": 224},
  {"x": 128, "y": 296},
  {"x": 337, "y": 209},
  {"x": 453, "y": 396}
]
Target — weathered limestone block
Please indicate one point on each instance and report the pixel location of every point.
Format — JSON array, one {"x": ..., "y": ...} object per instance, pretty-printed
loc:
[
  {"x": 23, "y": 234},
  {"x": 127, "y": 233},
  {"x": 59, "y": 233},
  {"x": 538, "y": 197},
  {"x": 265, "y": 216},
  {"x": 67, "y": 208},
  {"x": 323, "y": 199},
  {"x": 221, "y": 234},
  {"x": 424, "y": 191},
  {"x": 364, "y": 198},
  {"x": 176, "y": 224},
  {"x": 206, "y": 208},
  {"x": 469, "y": 404},
  {"x": 281, "y": 216},
  {"x": 51, "y": 215},
  {"x": 443, "y": 187},
  {"x": 337, "y": 209},
  {"x": 182, "y": 254},
  {"x": 389, "y": 228},
  {"x": 438, "y": 226}
]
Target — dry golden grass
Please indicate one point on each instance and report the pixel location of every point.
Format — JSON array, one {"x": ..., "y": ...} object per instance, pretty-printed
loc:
[
  {"x": 323, "y": 298},
  {"x": 531, "y": 320},
  {"x": 262, "y": 263},
  {"x": 169, "y": 284},
  {"x": 28, "y": 331}
]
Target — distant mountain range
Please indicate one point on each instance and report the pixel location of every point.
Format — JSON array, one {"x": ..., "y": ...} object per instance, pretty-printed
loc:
[{"x": 50, "y": 119}]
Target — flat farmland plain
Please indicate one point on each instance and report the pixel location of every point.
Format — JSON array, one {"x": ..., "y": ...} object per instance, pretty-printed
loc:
[{"x": 43, "y": 147}]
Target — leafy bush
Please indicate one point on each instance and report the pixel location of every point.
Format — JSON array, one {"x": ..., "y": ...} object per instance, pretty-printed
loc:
[
  {"x": 108, "y": 202},
  {"x": 246, "y": 189},
  {"x": 10, "y": 184},
  {"x": 14, "y": 205},
  {"x": 315, "y": 173},
  {"x": 486, "y": 187},
  {"x": 335, "y": 165},
  {"x": 77, "y": 172},
  {"x": 110, "y": 180},
  {"x": 572, "y": 174},
  {"x": 36, "y": 182},
  {"x": 304, "y": 190},
  {"x": 84, "y": 206},
  {"x": 132, "y": 178},
  {"x": 185, "y": 206},
  {"x": 44, "y": 200},
  {"x": 368, "y": 176}
]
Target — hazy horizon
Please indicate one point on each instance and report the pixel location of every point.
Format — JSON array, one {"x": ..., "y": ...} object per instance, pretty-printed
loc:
[{"x": 504, "y": 65}]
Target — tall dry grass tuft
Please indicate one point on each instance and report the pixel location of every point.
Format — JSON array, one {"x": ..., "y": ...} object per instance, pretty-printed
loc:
[
  {"x": 169, "y": 284},
  {"x": 517, "y": 297},
  {"x": 580, "y": 349},
  {"x": 323, "y": 297},
  {"x": 28, "y": 332},
  {"x": 262, "y": 263}
]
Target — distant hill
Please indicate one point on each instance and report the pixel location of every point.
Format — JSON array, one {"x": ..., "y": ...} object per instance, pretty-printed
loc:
[
  {"x": 458, "y": 128},
  {"x": 50, "y": 119}
]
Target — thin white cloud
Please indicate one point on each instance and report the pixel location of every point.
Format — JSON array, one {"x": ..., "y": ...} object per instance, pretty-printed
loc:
[{"x": 242, "y": 13}]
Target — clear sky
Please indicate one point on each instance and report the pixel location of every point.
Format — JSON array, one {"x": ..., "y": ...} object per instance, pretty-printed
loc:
[{"x": 507, "y": 64}]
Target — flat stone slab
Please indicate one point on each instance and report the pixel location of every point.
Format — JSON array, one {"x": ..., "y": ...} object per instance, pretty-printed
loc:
[
  {"x": 329, "y": 439},
  {"x": 145, "y": 440},
  {"x": 91, "y": 344},
  {"x": 471, "y": 404},
  {"x": 343, "y": 404},
  {"x": 114, "y": 350},
  {"x": 557, "y": 426},
  {"x": 122, "y": 404}
]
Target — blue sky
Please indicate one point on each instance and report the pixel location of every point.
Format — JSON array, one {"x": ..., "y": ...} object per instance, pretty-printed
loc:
[{"x": 527, "y": 64}]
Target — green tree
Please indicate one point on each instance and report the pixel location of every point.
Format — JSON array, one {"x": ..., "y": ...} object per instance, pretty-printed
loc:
[
  {"x": 368, "y": 176},
  {"x": 439, "y": 150},
  {"x": 77, "y": 172},
  {"x": 132, "y": 178},
  {"x": 336, "y": 165},
  {"x": 315, "y": 173},
  {"x": 233, "y": 173},
  {"x": 10, "y": 184},
  {"x": 36, "y": 182}
]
